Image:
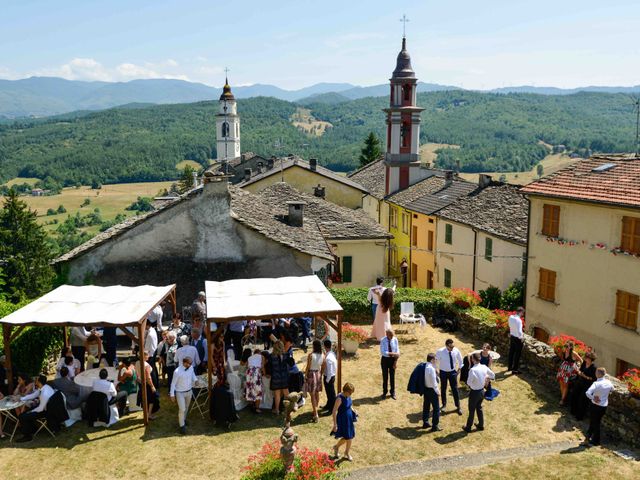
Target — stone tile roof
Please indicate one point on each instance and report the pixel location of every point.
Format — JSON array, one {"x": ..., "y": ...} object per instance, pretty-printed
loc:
[
  {"x": 432, "y": 202},
  {"x": 371, "y": 177},
  {"x": 335, "y": 222},
  {"x": 406, "y": 197},
  {"x": 246, "y": 208},
  {"x": 289, "y": 162},
  {"x": 618, "y": 185},
  {"x": 498, "y": 209}
]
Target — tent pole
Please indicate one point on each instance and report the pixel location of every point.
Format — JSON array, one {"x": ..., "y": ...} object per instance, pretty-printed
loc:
[
  {"x": 6, "y": 333},
  {"x": 209, "y": 362},
  {"x": 174, "y": 302},
  {"x": 339, "y": 352},
  {"x": 143, "y": 373},
  {"x": 65, "y": 337}
]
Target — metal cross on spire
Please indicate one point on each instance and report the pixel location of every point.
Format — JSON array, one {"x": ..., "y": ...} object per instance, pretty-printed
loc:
[
  {"x": 226, "y": 75},
  {"x": 404, "y": 21}
]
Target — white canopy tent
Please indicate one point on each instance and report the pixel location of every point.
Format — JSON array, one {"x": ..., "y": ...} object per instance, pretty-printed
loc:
[
  {"x": 69, "y": 305},
  {"x": 270, "y": 298}
]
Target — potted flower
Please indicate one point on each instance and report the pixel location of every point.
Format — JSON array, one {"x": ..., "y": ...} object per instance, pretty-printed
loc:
[
  {"x": 465, "y": 297},
  {"x": 632, "y": 379},
  {"x": 558, "y": 343},
  {"x": 352, "y": 337}
]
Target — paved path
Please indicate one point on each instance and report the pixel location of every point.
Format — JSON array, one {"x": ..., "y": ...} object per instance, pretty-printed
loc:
[{"x": 442, "y": 464}]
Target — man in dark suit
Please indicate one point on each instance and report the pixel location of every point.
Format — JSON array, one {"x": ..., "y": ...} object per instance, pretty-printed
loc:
[{"x": 69, "y": 388}]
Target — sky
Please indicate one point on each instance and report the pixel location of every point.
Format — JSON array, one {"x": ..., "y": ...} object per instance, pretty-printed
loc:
[{"x": 292, "y": 44}]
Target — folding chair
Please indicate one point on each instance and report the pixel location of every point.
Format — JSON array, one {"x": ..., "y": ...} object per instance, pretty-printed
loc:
[
  {"x": 42, "y": 422},
  {"x": 199, "y": 401}
]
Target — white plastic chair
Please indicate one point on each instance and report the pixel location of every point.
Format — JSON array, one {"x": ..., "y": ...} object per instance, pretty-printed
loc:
[{"x": 407, "y": 314}]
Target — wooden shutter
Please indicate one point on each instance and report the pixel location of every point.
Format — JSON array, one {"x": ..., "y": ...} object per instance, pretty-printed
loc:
[
  {"x": 547, "y": 285},
  {"x": 488, "y": 249},
  {"x": 414, "y": 272},
  {"x": 430, "y": 240},
  {"x": 448, "y": 234},
  {"x": 630, "y": 238},
  {"x": 551, "y": 220},
  {"x": 627, "y": 310},
  {"x": 447, "y": 278},
  {"x": 429, "y": 279},
  {"x": 414, "y": 236},
  {"x": 347, "y": 265}
]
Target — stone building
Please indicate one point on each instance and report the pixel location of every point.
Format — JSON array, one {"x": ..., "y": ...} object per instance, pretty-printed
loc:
[{"x": 213, "y": 232}]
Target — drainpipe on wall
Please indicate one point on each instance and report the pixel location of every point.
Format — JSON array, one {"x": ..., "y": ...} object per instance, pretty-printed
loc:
[
  {"x": 475, "y": 258},
  {"x": 526, "y": 254}
]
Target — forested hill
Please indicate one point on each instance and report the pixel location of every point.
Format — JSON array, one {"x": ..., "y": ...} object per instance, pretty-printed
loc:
[{"x": 494, "y": 132}]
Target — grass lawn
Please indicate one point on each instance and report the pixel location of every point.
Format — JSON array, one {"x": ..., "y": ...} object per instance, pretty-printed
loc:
[
  {"x": 523, "y": 414},
  {"x": 110, "y": 199}
]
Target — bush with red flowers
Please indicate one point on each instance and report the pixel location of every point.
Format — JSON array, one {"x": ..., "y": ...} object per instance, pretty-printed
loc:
[
  {"x": 465, "y": 297},
  {"x": 501, "y": 319},
  {"x": 308, "y": 465},
  {"x": 632, "y": 379},
  {"x": 558, "y": 343},
  {"x": 351, "y": 332}
]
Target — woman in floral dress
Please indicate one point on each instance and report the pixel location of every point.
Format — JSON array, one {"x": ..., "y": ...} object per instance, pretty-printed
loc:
[
  {"x": 253, "y": 384},
  {"x": 568, "y": 369},
  {"x": 217, "y": 357}
]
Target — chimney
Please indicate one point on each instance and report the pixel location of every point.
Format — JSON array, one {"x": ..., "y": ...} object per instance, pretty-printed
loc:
[
  {"x": 313, "y": 164},
  {"x": 247, "y": 174},
  {"x": 296, "y": 213},
  {"x": 261, "y": 167},
  {"x": 319, "y": 191},
  {"x": 270, "y": 163},
  {"x": 484, "y": 180},
  {"x": 448, "y": 177},
  {"x": 195, "y": 179},
  {"x": 216, "y": 188}
]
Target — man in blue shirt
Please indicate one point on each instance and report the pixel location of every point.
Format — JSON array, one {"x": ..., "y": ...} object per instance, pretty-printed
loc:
[{"x": 389, "y": 353}]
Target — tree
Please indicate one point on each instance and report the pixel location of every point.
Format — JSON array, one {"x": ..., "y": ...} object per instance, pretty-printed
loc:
[
  {"x": 185, "y": 183},
  {"x": 539, "y": 170},
  {"x": 513, "y": 296},
  {"x": 24, "y": 251},
  {"x": 371, "y": 151}
]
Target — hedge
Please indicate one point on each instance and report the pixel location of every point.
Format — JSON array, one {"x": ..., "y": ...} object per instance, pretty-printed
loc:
[
  {"x": 34, "y": 346},
  {"x": 357, "y": 309}
]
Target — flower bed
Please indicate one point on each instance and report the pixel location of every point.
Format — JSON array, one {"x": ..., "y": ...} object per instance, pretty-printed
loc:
[
  {"x": 465, "y": 297},
  {"x": 308, "y": 465},
  {"x": 632, "y": 379},
  {"x": 558, "y": 343}
]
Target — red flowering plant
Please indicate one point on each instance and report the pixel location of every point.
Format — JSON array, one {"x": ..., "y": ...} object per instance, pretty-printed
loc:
[
  {"x": 308, "y": 465},
  {"x": 465, "y": 297},
  {"x": 632, "y": 379},
  {"x": 351, "y": 332},
  {"x": 501, "y": 319},
  {"x": 558, "y": 342}
]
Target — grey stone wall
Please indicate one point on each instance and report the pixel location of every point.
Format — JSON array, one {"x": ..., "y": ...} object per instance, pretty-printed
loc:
[{"x": 622, "y": 421}]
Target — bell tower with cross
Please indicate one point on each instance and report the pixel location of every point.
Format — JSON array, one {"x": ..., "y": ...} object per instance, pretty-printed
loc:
[
  {"x": 227, "y": 124},
  {"x": 402, "y": 158}
]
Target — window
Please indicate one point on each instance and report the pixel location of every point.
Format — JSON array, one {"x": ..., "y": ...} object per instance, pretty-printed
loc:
[
  {"x": 622, "y": 366},
  {"x": 447, "y": 278},
  {"x": 547, "y": 285},
  {"x": 406, "y": 92},
  {"x": 414, "y": 272},
  {"x": 429, "y": 279},
  {"x": 393, "y": 258},
  {"x": 630, "y": 240},
  {"x": 430, "y": 240},
  {"x": 448, "y": 234},
  {"x": 488, "y": 249},
  {"x": 627, "y": 310},
  {"x": 393, "y": 217},
  {"x": 347, "y": 265},
  {"x": 550, "y": 220},
  {"x": 414, "y": 236},
  {"x": 405, "y": 222}
]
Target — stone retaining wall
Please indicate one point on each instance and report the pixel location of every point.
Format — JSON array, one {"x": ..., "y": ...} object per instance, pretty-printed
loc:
[{"x": 622, "y": 421}]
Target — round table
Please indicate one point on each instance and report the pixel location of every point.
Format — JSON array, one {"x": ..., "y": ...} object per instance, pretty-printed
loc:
[
  {"x": 7, "y": 405},
  {"x": 86, "y": 378}
]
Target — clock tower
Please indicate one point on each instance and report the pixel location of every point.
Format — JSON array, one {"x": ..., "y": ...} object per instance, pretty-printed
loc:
[{"x": 227, "y": 126}]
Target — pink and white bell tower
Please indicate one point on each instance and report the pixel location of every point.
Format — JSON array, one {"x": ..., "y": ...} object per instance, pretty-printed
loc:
[{"x": 402, "y": 159}]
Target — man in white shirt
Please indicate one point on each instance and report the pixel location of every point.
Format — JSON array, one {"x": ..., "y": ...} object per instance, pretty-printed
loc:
[
  {"x": 389, "y": 353},
  {"x": 598, "y": 393},
  {"x": 372, "y": 298},
  {"x": 329, "y": 378},
  {"x": 155, "y": 318},
  {"x": 184, "y": 378},
  {"x": 106, "y": 386},
  {"x": 187, "y": 350},
  {"x": 477, "y": 380},
  {"x": 450, "y": 362},
  {"x": 516, "y": 338},
  {"x": 431, "y": 395},
  {"x": 27, "y": 420},
  {"x": 78, "y": 338}
]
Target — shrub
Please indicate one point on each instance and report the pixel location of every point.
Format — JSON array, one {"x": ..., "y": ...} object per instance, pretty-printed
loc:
[
  {"x": 465, "y": 297},
  {"x": 491, "y": 297},
  {"x": 308, "y": 465},
  {"x": 558, "y": 342},
  {"x": 61, "y": 209},
  {"x": 632, "y": 379},
  {"x": 50, "y": 211},
  {"x": 513, "y": 296},
  {"x": 351, "y": 332}
]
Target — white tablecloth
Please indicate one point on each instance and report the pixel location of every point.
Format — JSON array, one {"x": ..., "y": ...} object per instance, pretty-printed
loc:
[{"x": 86, "y": 378}]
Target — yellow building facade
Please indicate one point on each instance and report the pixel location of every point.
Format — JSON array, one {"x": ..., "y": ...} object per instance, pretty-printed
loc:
[{"x": 364, "y": 260}]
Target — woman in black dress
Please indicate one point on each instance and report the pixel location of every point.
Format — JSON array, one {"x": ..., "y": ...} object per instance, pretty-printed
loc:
[{"x": 585, "y": 377}]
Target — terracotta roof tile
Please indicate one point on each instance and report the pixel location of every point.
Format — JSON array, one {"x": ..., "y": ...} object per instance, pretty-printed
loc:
[{"x": 618, "y": 185}]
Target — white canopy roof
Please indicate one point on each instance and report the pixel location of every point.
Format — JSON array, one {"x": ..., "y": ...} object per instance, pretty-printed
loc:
[
  {"x": 269, "y": 298},
  {"x": 91, "y": 305}
]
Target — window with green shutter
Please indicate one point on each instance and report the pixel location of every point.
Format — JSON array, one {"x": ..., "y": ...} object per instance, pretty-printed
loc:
[
  {"x": 488, "y": 248},
  {"x": 347, "y": 265},
  {"x": 448, "y": 234},
  {"x": 447, "y": 278}
]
